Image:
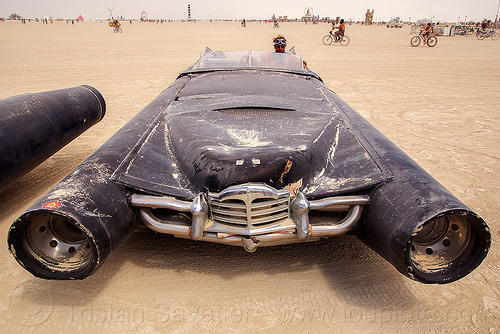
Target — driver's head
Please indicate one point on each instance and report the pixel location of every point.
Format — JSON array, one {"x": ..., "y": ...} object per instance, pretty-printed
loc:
[{"x": 279, "y": 43}]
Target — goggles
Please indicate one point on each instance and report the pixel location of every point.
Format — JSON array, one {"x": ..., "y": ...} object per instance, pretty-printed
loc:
[{"x": 280, "y": 41}]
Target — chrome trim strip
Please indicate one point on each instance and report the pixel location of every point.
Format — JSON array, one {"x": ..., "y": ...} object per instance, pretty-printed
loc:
[
  {"x": 157, "y": 202},
  {"x": 161, "y": 226},
  {"x": 344, "y": 226},
  {"x": 339, "y": 202},
  {"x": 220, "y": 228},
  {"x": 272, "y": 239}
]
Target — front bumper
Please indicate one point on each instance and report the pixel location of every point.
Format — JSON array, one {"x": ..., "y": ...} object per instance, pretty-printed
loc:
[{"x": 251, "y": 215}]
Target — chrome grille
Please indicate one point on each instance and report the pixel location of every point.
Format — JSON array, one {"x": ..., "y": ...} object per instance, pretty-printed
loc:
[{"x": 250, "y": 207}]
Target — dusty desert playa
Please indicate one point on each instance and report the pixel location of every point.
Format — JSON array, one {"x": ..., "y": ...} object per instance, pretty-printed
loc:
[{"x": 440, "y": 105}]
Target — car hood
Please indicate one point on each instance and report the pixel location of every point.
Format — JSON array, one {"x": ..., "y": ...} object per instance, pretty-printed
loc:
[{"x": 233, "y": 127}]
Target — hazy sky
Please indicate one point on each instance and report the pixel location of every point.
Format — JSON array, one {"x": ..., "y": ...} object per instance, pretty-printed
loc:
[{"x": 440, "y": 10}]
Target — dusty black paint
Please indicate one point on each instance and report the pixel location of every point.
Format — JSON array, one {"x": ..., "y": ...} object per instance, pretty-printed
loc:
[
  {"x": 89, "y": 198},
  {"x": 35, "y": 126},
  {"x": 213, "y": 148}
]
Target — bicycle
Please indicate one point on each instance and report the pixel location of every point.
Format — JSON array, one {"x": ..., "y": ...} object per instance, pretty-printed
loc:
[
  {"x": 464, "y": 30},
  {"x": 117, "y": 27},
  {"x": 342, "y": 40},
  {"x": 276, "y": 25},
  {"x": 481, "y": 34},
  {"x": 431, "y": 40}
]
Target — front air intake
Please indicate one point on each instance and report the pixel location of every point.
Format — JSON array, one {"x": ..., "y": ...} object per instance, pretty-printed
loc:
[{"x": 254, "y": 111}]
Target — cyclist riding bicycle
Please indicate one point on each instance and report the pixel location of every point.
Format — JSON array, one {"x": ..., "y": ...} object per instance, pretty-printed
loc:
[
  {"x": 485, "y": 24},
  {"x": 426, "y": 32},
  {"x": 339, "y": 33}
]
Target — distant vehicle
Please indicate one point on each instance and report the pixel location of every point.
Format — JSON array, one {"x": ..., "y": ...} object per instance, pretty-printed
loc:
[{"x": 395, "y": 23}]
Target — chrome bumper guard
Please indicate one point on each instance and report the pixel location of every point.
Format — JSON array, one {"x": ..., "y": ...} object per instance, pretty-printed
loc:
[{"x": 251, "y": 215}]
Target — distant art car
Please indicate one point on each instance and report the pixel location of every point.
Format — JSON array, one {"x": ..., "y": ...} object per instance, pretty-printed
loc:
[
  {"x": 395, "y": 23},
  {"x": 251, "y": 149}
]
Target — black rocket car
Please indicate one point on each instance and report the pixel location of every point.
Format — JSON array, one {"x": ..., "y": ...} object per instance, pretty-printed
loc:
[{"x": 250, "y": 149}]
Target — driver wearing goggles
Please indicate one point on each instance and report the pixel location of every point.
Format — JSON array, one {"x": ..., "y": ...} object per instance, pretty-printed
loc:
[{"x": 279, "y": 44}]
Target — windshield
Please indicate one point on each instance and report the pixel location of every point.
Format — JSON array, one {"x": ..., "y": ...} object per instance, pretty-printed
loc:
[{"x": 249, "y": 59}]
